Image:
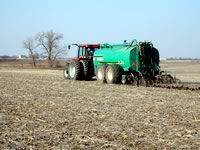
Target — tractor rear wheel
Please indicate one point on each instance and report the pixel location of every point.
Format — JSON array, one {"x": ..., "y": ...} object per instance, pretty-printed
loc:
[
  {"x": 86, "y": 69},
  {"x": 66, "y": 72},
  {"x": 114, "y": 73},
  {"x": 74, "y": 70},
  {"x": 101, "y": 71}
]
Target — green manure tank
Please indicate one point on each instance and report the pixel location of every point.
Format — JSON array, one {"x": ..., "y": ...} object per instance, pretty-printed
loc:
[
  {"x": 125, "y": 55},
  {"x": 114, "y": 63}
]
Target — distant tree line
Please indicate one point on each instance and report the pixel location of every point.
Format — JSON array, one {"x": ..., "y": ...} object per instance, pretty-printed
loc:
[
  {"x": 180, "y": 58},
  {"x": 45, "y": 44}
]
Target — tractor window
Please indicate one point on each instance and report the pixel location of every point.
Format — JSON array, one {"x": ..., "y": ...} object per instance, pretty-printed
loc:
[
  {"x": 82, "y": 51},
  {"x": 91, "y": 51}
]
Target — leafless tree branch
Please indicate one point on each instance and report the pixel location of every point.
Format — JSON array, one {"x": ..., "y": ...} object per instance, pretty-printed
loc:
[
  {"x": 50, "y": 42},
  {"x": 29, "y": 45}
]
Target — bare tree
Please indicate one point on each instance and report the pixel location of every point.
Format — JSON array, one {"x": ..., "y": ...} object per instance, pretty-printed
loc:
[
  {"x": 50, "y": 43},
  {"x": 29, "y": 44}
]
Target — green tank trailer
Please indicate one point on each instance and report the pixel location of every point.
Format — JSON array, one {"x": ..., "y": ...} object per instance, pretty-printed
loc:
[{"x": 121, "y": 62}]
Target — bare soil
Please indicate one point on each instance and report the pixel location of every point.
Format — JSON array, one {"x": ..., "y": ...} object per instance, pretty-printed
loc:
[
  {"x": 185, "y": 70},
  {"x": 28, "y": 63},
  {"x": 41, "y": 110}
]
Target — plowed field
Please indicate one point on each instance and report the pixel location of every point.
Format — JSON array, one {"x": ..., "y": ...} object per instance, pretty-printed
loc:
[{"x": 41, "y": 110}]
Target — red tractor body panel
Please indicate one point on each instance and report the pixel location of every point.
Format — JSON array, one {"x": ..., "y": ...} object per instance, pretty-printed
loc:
[
  {"x": 79, "y": 58},
  {"x": 90, "y": 45}
]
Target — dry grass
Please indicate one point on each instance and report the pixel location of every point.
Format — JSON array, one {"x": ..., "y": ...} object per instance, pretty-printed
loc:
[
  {"x": 40, "y": 110},
  {"x": 27, "y": 63}
]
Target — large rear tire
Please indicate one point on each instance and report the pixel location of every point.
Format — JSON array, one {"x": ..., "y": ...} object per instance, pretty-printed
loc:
[
  {"x": 101, "y": 73},
  {"x": 66, "y": 72},
  {"x": 86, "y": 69},
  {"x": 74, "y": 70},
  {"x": 114, "y": 74}
]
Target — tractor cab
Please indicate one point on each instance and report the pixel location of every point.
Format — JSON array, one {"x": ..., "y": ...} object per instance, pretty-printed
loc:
[{"x": 85, "y": 51}]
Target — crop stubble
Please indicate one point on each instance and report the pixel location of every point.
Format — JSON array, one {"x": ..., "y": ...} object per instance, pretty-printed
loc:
[{"x": 40, "y": 110}]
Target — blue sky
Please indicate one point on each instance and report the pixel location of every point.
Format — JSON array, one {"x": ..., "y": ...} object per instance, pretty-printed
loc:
[{"x": 172, "y": 25}]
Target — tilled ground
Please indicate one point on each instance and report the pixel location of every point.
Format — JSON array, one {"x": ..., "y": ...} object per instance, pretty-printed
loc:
[{"x": 41, "y": 110}]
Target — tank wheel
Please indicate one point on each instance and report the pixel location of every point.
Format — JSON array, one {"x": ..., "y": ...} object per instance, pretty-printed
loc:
[
  {"x": 74, "y": 70},
  {"x": 101, "y": 71},
  {"x": 114, "y": 73},
  {"x": 66, "y": 72},
  {"x": 86, "y": 69}
]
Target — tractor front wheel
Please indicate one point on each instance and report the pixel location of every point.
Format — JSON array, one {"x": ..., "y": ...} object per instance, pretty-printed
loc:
[{"x": 74, "y": 70}]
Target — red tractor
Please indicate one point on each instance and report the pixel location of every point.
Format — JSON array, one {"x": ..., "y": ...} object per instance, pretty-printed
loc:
[{"x": 81, "y": 67}]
